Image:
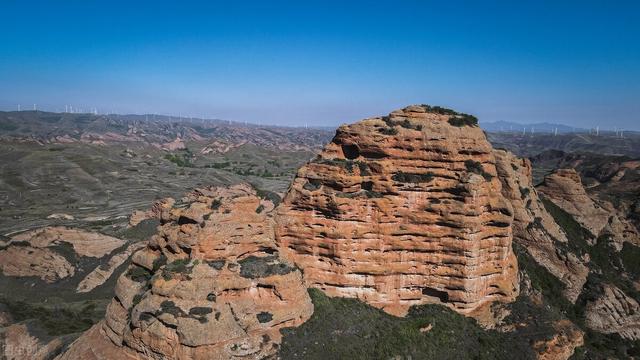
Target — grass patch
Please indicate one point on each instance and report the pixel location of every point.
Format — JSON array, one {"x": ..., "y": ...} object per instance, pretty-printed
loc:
[
  {"x": 58, "y": 320},
  {"x": 343, "y": 328},
  {"x": 576, "y": 234},
  {"x": 630, "y": 256},
  {"x": 142, "y": 231}
]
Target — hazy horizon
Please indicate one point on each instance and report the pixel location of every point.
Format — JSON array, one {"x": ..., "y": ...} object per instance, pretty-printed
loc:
[{"x": 288, "y": 63}]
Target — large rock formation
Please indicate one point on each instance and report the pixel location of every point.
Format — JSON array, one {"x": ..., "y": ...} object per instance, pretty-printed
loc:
[
  {"x": 595, "y": 210},
  {"x": 211, "y": 285},
  {"x": 402, "y": 210},
  {"x": 565, "y": 189},
  {"x": 534, "y": 229}
]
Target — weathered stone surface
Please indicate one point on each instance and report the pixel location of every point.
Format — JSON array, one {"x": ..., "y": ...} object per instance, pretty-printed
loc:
[
  {"x": 139, "y": 216},
  {"x": 177, "y": 144},
  {"x": 403, "y": 210},
  {"x": 614, "y": 312},
  {"x": 534, "y": 228},
  {"x": 84, "y": 243},
  {"x": 563, "y": 344},
  {"x": 565, "y": 189},
  {"x": 101, "y": 274},
  {"x": 17, "y": 343},
  {"x": 29, "y": 261},
  {"x": 210, "y": 285},
  {"x": 593, "y": 207}
]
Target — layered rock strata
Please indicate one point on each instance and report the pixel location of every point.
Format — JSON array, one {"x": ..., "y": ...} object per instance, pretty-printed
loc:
[
  {"x": 614, "y": 312},
  {"x": 565, "y": 189},
  {"x": 534, "y": 229},
  {"x": 210, "y": 285},
  {"x": 403, "y": 210}
]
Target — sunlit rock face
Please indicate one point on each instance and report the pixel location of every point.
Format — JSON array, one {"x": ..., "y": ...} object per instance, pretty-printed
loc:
[
  {"x": 210, "y": 285},
  {"x": 402, "y": 210},
  {"x": 534, "y": 229}
]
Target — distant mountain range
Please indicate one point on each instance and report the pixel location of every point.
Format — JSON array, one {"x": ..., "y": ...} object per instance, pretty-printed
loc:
[
  {"x": 507, "y": 126},
  {"x": 49, "y": 127}
]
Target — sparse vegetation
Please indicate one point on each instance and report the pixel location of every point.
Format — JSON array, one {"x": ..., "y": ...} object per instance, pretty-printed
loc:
[
  {"x": 476, "y": 168},
  {"x": 412, "y": 178},
  {"x": 138, "y": 274},
  {"x": 56, "y": 320},
  {"x": 178, "y": 266},
  {"x": 463, "y": 120},
  {"x": 182, "y": 158},
  {"x": 342, "y": 328},
  {"x": 388, "y": 131}
]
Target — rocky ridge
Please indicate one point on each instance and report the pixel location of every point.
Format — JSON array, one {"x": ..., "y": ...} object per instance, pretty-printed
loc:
[
  {"x": 210, "y": 285},
  {"x": 534, "y": 229}
]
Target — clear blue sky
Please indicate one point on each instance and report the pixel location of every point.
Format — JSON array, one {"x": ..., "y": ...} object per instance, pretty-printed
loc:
[{"x": 326, "y": 62}]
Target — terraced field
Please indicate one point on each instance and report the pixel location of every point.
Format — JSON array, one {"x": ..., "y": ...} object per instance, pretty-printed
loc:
[{"x": 100, "y": 185}]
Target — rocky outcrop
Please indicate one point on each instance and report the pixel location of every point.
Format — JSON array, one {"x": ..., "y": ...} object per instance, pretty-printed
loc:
[
  {"x": 565, "y": 189},
  {"x": 40, "y": 252},
  {"x": 210, "y": 285},
  {"x": 614, "y": 312},
  {"x": 17, "y": 342},
  {"x": 534, "y": 229},
  {"x": 21, "y": 261},
  {"x": 84, "y": 243},
  {"x": 561, "y": 345},
  {"x": 138, "y": 216},
  {"x": 402, "y": 210},
  {"x": 101, "y": 274},
  {"x": 176, "y": 144},
  {"x": 594, "y": 210}
]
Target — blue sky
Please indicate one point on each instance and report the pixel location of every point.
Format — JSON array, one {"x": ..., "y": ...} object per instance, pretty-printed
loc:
[{"x": 326, "y": 62}]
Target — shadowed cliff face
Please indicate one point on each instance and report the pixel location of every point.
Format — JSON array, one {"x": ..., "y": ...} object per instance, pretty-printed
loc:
[{"x": 403, "y": 210}]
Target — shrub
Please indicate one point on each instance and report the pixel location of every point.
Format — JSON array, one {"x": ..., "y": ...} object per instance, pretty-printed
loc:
[
  {"x": 139, "y": 274},
  {"x": 388, "y": 131},
  {"x": 412, "y": 178},
  {"x": 463, "y": 120},
  {"x": 179, "y": 266},
  {"x": 476, "y": 168}
]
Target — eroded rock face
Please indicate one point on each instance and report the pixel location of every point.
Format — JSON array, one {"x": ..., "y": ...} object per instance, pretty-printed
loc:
[
  {"x": 534, "y": 228},
  {"x": 21, "y": 261},
  {"x": 210, "y": 285},
  {"x": 39, "y": 252},
  {"x": 403, "y": 210},
  {"x": 563, "y": 344},
  {"x": 101, "y": 274},
  {"x": 614, "y": 312},
  {"x": 84, "y": 243},
  {"x": 18, "y": 343},
  {"x": 565, "y": 189},
  {"x": 601, "y": 217},
  {"x": 139, "y": 216}
]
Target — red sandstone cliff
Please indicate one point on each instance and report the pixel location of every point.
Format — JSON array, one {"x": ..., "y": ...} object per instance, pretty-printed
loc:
[{"x": 403, "y": 210}]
